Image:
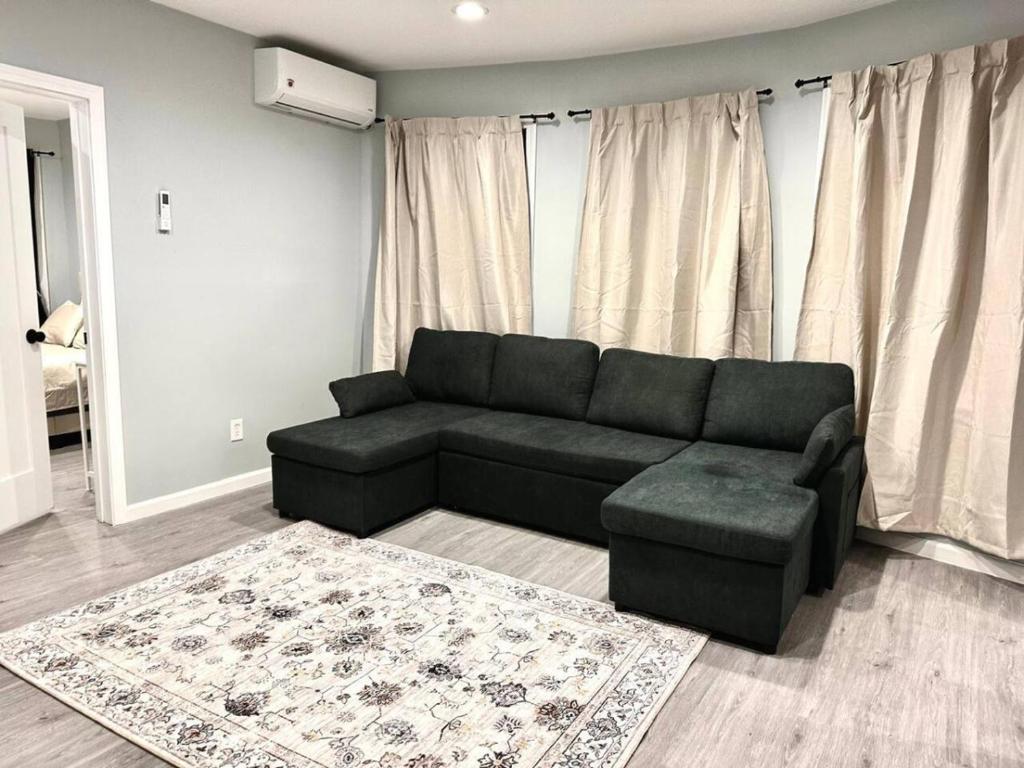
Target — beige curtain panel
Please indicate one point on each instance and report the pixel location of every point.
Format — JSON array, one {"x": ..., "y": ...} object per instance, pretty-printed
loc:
[
  {"x": 676, "y": 244},
  {"x": 454, "y": 250},
  {"x": 916, "y": 280}
]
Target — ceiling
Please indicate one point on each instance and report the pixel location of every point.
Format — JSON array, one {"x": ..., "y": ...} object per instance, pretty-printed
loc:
[
  {"x": 378, "y": 35},
  {"x": 38, "y": 107}
]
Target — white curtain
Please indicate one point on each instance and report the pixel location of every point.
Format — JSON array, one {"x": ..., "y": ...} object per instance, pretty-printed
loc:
[
  {"x": 675, "y": 251},
  {"x": 39, "y": 234},
  {"x": 916, "y": 280},
  {"x": 454, "y": 248}
]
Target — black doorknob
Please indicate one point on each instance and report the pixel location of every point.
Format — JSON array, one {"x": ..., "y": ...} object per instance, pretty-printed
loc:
[{"x": 32, "y": 336}]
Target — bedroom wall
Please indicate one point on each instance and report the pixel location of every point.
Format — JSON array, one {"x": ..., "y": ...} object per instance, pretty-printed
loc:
[
  {"x": 790, "y": 121},
  {"x": 70, "y": 217},
  {"x": 250, "y": 307},
  {"x": 61, "y": 251}
]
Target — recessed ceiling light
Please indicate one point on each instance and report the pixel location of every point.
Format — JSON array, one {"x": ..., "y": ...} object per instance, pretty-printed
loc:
[{"x": 470, "y": 10}]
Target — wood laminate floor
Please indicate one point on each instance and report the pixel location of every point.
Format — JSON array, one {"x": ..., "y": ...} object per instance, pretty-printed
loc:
[{"x": 908, "y": 662}]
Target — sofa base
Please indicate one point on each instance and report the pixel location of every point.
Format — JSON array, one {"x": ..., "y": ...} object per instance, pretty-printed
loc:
[
  {"x": 359, "y": 504},
  {"x": 547, "y": 501},
  {"x": 734, "y": 599}
]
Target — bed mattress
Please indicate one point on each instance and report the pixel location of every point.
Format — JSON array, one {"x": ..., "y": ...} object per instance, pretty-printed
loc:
[{"x": 59, "y": 376}]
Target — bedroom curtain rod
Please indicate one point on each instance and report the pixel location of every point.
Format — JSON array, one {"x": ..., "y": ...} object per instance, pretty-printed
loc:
[
  {"x": 825, "y": 79},
  {"x": 533, "y": 117},
  {"x": 40, "y": 152},
  {"x": 576, "y": 112}
]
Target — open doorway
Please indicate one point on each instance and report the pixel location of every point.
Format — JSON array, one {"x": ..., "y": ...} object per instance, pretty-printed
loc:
[
  {"x": 60, "y": 426},
  {"x": 58, "y": 286}
]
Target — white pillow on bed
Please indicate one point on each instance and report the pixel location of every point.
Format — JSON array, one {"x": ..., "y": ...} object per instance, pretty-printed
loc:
[
  {"x": 62, "y": 324},
  {"x": 79, "y": 341}
]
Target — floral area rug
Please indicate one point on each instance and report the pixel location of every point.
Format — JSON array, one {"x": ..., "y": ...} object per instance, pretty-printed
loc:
[{"x": 308, "y": 648}]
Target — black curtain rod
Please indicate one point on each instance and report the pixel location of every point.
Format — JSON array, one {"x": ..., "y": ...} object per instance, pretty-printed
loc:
[
  {"x": 40, "y": 152},
  {"x": 825, "y": 79},
  {"x": 534, "y": 116},
  {"x": 575, "y": 112}
]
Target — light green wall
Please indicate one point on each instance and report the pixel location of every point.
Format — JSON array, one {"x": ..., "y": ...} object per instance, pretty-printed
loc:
[
  {"x": 258, "y": 298},
  {"x": 251, "y": 306},
  {"x": 878, "y": 36}
]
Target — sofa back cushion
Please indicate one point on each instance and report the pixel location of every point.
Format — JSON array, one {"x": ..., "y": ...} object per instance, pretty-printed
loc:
[
  {"x": 549, "y": 377},
  {"x": 773, "y": 405},
  {"x": 655, "y": 394},
  {"x": 451, "y": 366}
]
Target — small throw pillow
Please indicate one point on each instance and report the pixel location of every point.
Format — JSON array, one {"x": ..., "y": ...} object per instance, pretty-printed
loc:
[
  {"x": 79, "y": 340},
  {"x": 62, "y": 324},
  {"x": 371, "y": 392},
  {"x": 829, "y": 437}
]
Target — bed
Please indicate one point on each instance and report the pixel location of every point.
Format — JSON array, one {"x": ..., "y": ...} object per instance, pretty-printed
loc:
[
  {"x": 62, "y": 418},
  {"x": 59, "y": 377}
]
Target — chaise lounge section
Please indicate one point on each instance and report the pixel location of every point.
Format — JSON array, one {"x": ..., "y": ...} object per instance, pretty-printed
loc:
[
  {"x": 362, "y": 474},
  {"x": 726, "y": 513},
  {"x": 684, "y": 467},
  {"x": 377, "y": 463}
]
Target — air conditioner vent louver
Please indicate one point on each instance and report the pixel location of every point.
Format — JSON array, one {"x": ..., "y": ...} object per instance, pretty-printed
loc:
[{"x": 285, "y": 107}]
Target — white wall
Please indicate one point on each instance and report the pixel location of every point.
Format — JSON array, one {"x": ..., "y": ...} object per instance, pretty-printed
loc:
[
  {"x": 70, "y": 214},
  {"x": 790, "y": 121},
  {"x": 252, "y": 305}
]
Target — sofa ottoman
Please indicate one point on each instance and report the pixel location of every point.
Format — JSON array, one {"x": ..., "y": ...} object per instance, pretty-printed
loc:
[{"x": 717, "y": 537}]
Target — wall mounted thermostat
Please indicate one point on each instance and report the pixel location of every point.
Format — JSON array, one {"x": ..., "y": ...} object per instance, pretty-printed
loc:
[{"x": 163, "y": 202}]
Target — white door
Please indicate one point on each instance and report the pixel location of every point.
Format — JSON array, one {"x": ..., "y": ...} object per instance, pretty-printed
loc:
[{"x": 25, "y": 490}]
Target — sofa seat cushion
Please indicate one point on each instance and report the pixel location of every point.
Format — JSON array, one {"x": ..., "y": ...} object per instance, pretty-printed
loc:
[
  {"x": 559, "y": 445},
  {"x": 369, "y": 442},
  {"x": 724, "y": 499}
]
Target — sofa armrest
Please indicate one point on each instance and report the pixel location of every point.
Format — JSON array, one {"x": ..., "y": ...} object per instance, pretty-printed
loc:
[
  {"x": 371, "y": 392},
  {"x": 838, "y": 499},
  {"x": 827, "y": 441}
]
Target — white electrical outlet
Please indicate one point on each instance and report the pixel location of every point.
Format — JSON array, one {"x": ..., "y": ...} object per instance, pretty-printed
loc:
[{"x": 237, "y": 433}]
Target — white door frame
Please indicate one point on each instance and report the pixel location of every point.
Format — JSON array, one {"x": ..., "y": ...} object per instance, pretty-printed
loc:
[{"x": 92, "y": 209}]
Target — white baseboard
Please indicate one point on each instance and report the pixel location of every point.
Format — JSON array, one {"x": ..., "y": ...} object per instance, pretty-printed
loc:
[
  {"x": 946, "y": 551},
  {"x": 201, "y": 493}
]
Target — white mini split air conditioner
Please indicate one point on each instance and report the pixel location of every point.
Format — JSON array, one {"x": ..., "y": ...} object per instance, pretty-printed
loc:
[{"x": 303, "y": 86}]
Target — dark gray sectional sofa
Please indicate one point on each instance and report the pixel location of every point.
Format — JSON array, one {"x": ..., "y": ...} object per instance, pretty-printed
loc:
[{"x": 684, "y": 467}]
